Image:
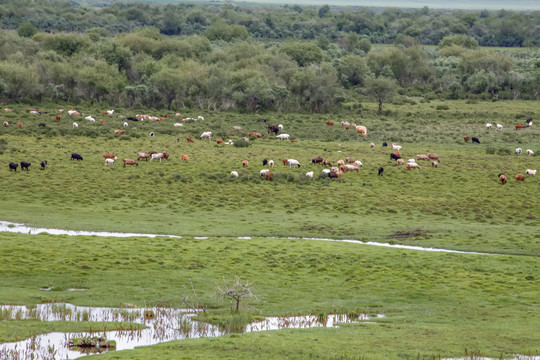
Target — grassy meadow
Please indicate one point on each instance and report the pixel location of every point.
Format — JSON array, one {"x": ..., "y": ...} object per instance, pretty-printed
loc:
[{"x": 436, "y": 304}]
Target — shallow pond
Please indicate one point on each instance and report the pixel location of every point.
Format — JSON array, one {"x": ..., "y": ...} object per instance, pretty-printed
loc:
[{"x": 163, "y": 324}]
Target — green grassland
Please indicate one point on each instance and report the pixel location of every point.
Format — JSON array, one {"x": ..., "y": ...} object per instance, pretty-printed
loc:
[{"x": 435, "y": 304}]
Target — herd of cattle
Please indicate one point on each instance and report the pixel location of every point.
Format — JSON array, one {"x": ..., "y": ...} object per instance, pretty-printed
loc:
[{"x": 342, "y": 166}]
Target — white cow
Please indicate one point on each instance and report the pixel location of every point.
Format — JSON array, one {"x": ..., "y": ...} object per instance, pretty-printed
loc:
[
  {"x": 109, "y": 161},
  {"x": 90, "y": 118},
  {"x": 206, "y": 134},
  {"x": 293, "y": 163},
  {"x": 488, "y": 126},
  {"x": 283, "y": 136},
  {"x": 125, "y": 124},
  {"x": 75, "y": 125},
  {"x": 234, "y": 173},
  {"x": 310, "y": 174},
  {"x": 499, "y": 127}
]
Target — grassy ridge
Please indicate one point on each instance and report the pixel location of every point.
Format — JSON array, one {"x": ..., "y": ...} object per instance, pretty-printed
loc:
[{"x": 434, "y": 303}]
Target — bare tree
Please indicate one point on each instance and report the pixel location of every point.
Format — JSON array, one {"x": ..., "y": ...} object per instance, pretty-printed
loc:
[{"x": 236, "y": 291}]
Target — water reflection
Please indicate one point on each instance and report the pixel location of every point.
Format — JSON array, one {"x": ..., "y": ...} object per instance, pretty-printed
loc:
[{"x": 163, "y": 324}]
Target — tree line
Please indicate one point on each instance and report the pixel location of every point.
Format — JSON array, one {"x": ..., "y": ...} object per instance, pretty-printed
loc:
[{"x": 56, "y": 50}]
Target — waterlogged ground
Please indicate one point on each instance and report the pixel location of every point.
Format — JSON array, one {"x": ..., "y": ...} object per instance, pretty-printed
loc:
[{"x": 162, "y": 325}]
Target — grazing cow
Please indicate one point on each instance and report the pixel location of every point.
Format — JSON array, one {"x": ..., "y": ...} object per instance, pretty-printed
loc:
[
  {"x": 159, "y": 156},
  {"x": 61, "y": 111},
  {"x": 237, "y": 127},
  {"x": 42, "y": 124},
  {"x": 152, "y": 133},
  {"x": 345, "y": 123},
  {"x": 502, "y": 178},
  {"x": 13, "y": 166},
  {"x": 349, "y": 160},
  {"x": 422, "y": 157},
  {"x": 74, "y": 113},
  {"x": 283, "y": 136},
  {"x": 326, "y": 171},
  {"x": 206, "y": 135},
  {"x": 435, "y": 163},
  {"x": 280, "y": 127},
  {"x": 520, "y": 177},
  {"x": 285, "y": 162},
  {"x": 125, "y": 124},
  {"x": 381, "y": 169},
  {"x": 108, "y": 112},
  {"x": 101, "y": 121},
  {"x": 75, "y": 156},
  {"x": 109, "y": 162},
  {"x": 263, "y": 172},
  {"x": 433, "y": 156},
  {"x": 178, "y": 124},
  {"x": 317, "y": 160},
  {"x": 397, "y": 153},
  {"x": 530, "y": 152},
  {"x": 340, "y": 162},
  {"x": 119, "y": 132},
  {"x": 499, "y": 127},
  {"x": 331, "y": 123},
  {"x": 265, "y": 161},
  {"x": 269, "y": 176},
  {"x": 35, "y": 112},
  {"x": 529, "y": 122},
  {"x": 219, "y": 141},
  {"x": 43, "y": 164},
  {"x": 293, "y": 163},
  {"x": 75, "y": 125},
  {"x": 400, "y": 161},
  {"x": 519, "y": 126},
  {"x": 361, "y": 130},
  {"x": 90, "y": 118},
  {"x": 257, "y": 134},
  {"x": 412, "y": 165},
  {"x": 475, "y": 140},
  {"x": 189, "y": 140},
  {"x": 58, "y": 118},
  {"x": 20, "y": 124},
  {"x": 145, "y": 156},
  {"x": 25, "y": 165},
  {"x": 109, "y": 156},
  {"x": 396, "y": 147},
  {"x": 271, "y": 164},
  {"x": 358, "y": 163},
  {"x": 184, "y": 157},
  {"x": 309, "y": 174},
  {"x": 488, "y": 126},
  {"x": 130, "y": 162},
  {"x": 372, "y": 145},
  {"x": 530, "y": 172},
  {"x": 273, "y": 128},
  {"x": 349, "y": 167},
  {"x": 131, "y": 118},
  {"x": 394, "y": 157},
  {"x": 5, "y": 123},
  {"x": 234, "y": 173},
  {"x": 384, "y": 144},
  {"x": 518, "y": 151},
  {"x": 245, "y": 163},
  {"x": 466, "y": 138}
]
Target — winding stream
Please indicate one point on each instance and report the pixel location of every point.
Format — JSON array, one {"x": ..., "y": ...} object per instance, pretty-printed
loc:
[{"x": 6, "y": 226}]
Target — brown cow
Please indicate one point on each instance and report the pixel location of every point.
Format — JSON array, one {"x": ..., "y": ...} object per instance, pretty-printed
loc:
[
  {"x": 245, "y": 163},
  {"x": 109, "y": 156},
  {"x": 466, "y": 138},
  {"x": 269, "y": 176},
  {"x": 57, "y": 117},
  {"x": 219, "y": 141},
  {"x": 20, "y": 124},
  {"x": 130, "y": 162},
  {"x": 519, "y": 126},
  {"x": 189, "y": 140},
  {"x": 331, "y": 123},
  {"x": 502, "y": 178},
  {"x": 184, "y": 157},
  {"x": 119, "y": 132},
  {"x": 520, "y": 177}
]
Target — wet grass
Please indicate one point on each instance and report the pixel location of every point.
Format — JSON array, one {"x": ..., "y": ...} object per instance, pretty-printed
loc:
[{"x": 434, "y": 303}]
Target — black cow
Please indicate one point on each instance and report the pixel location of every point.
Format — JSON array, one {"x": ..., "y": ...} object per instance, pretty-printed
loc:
[
  {"x": 75, "y": 156},
  {"x": 25, "y": 165},
  {"x": 273, "y": 128},
  {"x": 265, "y": 161},
  {"x": 42, "y": 124},
  {"x": 131, "y": 118},
  {"x": 384, "y": 144},
  {"x": 394, "y": 156},
  {"x": 43, "y": 164},
  {"x": 475, "y": 140},
  {"x": 381, "y": 169},
  {"x": 333, "y": 175},
  {"x": 13, "y": 166}
]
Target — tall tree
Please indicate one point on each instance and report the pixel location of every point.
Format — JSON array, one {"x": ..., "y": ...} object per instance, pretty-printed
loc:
[{"x": 381, "y": 89}]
